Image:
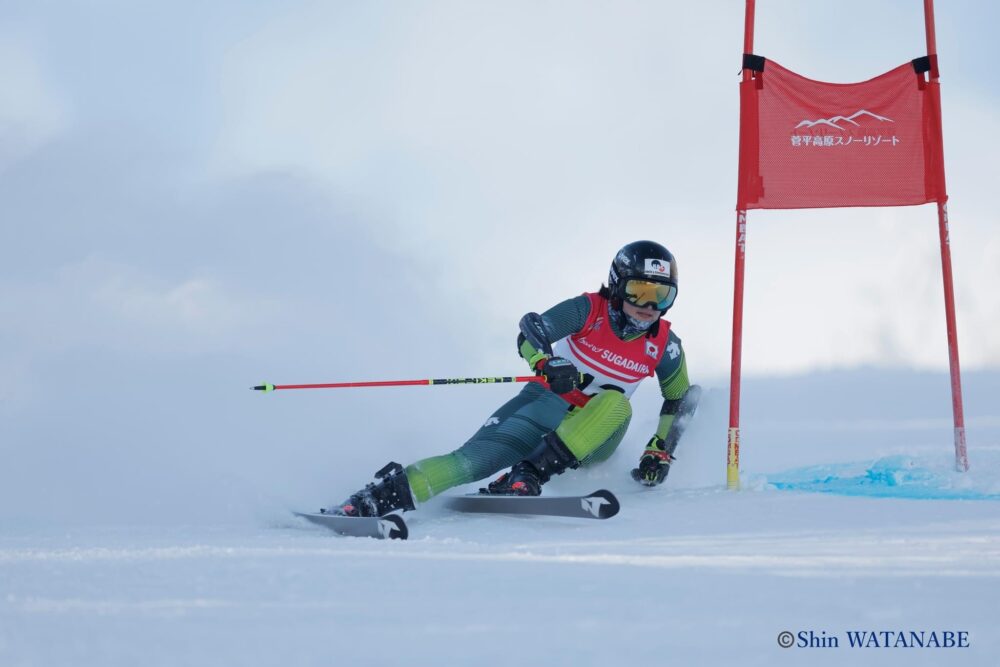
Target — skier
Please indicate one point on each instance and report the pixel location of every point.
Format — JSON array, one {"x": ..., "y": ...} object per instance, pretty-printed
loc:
[{"x": 592, "y": 351}]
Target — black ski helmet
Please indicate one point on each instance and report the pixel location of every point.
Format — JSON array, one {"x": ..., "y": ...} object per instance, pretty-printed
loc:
[{"x": 641, "y": 260}]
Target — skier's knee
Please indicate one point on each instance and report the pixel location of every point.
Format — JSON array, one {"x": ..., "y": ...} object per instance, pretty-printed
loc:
[{"x": 596, "y": 423}]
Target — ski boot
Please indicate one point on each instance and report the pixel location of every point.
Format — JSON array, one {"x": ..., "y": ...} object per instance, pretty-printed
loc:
[
  {"x": 379, "y": 498},
  {"x": 551, "y": 457}
]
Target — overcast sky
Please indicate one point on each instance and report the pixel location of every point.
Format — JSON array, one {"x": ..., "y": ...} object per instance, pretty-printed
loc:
[{"x": 214, "y": 194}]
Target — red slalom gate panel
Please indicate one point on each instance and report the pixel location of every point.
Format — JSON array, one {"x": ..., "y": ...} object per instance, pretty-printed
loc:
[{"x": 810, "y": 144}]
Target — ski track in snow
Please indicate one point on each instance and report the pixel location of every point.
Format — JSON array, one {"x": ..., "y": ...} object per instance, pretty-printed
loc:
[{"x": 779, "y": 554}]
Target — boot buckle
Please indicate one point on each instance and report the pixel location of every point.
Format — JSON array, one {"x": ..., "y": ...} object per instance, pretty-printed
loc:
[{"x": 391, "y": 468}]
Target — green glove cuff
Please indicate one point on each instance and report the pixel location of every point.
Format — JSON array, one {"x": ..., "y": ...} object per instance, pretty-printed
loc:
[{"x": 534, "y": 359}]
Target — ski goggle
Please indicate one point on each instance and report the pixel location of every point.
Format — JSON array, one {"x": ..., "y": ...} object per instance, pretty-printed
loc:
[{"x": 643, "y": 293}]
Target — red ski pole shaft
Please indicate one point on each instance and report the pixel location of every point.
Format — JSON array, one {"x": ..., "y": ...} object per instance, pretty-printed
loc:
[
  {"x": 576, "y": 397},
  {"x": 401, "y": 383}
]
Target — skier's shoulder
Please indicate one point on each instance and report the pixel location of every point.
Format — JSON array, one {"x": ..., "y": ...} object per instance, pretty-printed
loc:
[
  {"x": 568, "y": 316},
  {"x": 673, "y": 338},
  {"x": 585, "y": 302},
  {"x": 581, "y": 302},
  {"x": 673, "y": 354}
]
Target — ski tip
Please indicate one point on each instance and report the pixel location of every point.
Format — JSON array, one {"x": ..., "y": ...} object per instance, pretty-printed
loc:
[
  {"x": 602, "y": 504},
  {"x": 267, "y": 386}
]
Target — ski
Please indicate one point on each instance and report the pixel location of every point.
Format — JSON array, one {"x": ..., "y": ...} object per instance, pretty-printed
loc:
[
  {"x": 390, "y": 526},
  {"x": 600, "y": 504}
]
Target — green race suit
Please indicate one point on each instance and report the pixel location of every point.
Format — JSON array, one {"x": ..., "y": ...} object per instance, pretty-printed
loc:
[{"x": 510, "y": 434}]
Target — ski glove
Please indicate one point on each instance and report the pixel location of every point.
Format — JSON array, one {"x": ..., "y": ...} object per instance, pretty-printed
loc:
[
  {"x": 654, "y": 464},
  {"x": 561, "y": 374}
]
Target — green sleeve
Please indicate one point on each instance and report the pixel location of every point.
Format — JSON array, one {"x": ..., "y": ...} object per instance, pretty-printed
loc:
[
  {"x": 561, "y": 320},
  {"x": 673, "y": 377}
]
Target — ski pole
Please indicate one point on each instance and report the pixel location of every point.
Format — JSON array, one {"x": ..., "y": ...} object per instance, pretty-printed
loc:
[
  {"x": 401, "y": 383},
  {"x": 576, "y": 397}
]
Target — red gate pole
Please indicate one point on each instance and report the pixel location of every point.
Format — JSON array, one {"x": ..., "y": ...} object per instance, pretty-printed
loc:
[
  {"x": 733, "y": 449},
  {"x": 961, "y": 455}
]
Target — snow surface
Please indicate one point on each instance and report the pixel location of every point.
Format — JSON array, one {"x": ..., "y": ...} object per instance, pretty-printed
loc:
[{"x": 894, "y": 539}]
